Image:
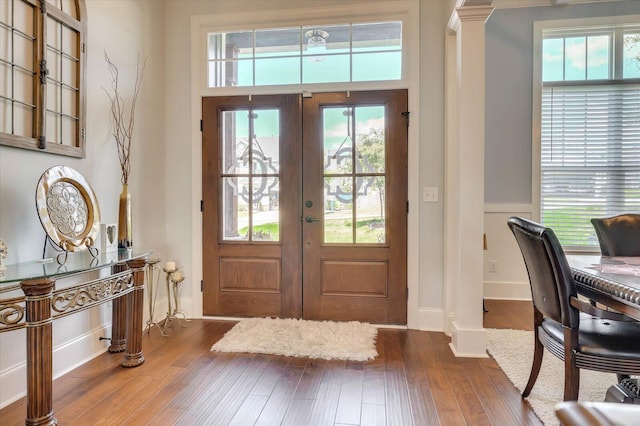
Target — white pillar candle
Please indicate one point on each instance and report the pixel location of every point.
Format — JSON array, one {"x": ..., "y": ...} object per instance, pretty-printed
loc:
[
  {"x": 170, "y": 266},
  {"x": 177, "y": 276}
]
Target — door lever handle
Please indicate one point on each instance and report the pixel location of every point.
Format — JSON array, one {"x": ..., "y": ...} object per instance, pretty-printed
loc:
[{"x": 310, "y": 219}]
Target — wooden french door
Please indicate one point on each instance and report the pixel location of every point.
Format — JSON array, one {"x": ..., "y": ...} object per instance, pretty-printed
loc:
[
  {"x": 251, "y": 202},
  {"x": 306, "y": 223},
  {"x": 355, "y": 207}
]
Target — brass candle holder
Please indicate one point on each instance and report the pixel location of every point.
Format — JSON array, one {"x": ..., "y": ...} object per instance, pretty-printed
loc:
[
  {"x": 169, "y": 268},
  {"x": 174, "y": 279},
  {"x": 152, "y": 285}
]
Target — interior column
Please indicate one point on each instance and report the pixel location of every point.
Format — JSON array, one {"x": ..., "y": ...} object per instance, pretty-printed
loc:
[{"x": 467, "y": 172}]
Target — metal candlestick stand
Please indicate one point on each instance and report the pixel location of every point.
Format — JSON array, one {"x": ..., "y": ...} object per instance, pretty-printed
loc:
[
  {"x": 176, "y": 280},
  {"x": 168, "y": 319},
  {"x": 153, "y": 294},
  {"x": 174, "y": 287}
]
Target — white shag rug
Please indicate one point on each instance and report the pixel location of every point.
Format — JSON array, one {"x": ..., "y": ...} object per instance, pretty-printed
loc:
[
  {"x": 354, "y": 341},
  {"x": 513, "y": 351}
]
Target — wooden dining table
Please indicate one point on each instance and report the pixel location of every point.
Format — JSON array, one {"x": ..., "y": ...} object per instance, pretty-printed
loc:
[
  {"x": 615, "y": 283},
  {"x": 611, "y": 281}
]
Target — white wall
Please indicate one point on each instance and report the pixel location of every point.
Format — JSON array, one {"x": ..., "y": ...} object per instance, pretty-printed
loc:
[
  {"x": 505, "y": 275},
  {"x": 122, "y": 28}
]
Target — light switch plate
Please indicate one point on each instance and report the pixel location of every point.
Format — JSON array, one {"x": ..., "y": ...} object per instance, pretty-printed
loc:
[{"x": 430, "y": 194}]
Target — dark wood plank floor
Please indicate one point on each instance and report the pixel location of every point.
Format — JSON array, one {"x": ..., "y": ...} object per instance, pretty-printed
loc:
[{"x": 414, "y": 381}]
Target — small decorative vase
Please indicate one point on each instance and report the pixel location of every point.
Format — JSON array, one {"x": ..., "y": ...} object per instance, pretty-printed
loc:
[{"x": 125, "y": 239}]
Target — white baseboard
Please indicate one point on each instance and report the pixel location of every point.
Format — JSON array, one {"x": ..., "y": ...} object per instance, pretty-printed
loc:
[
  {"x": 468, "y": 343},
  {"x": 507, "y": 290},
  {"x": 66, "y": 357},
  {"x": 431, "y": 319}
]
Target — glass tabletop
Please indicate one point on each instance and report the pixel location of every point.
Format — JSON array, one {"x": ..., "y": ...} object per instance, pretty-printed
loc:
[{"x": 76, "y": 262}]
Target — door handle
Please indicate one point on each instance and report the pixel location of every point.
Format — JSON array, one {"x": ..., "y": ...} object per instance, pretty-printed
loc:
[{"x": 310, "y": 219}]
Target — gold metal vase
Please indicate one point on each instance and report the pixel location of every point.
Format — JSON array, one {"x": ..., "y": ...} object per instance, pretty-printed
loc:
[{"x": 125, "y": 239}]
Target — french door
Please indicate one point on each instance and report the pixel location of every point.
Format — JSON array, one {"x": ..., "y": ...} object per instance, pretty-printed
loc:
[{"x": 304, "y": 206}]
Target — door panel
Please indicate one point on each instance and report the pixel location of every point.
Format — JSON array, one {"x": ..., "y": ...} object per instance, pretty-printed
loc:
[
  {"x": 355, "y": 200},
  {"x": 251, "y": 198}
]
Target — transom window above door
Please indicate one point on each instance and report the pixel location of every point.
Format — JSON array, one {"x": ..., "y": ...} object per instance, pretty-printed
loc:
[{"x": 305, "y": 55}]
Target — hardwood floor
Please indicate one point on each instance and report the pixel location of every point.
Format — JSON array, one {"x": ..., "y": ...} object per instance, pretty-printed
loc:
[{"x": 414, "y": 381}]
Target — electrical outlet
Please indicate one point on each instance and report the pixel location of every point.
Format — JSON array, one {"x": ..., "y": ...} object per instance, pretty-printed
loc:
[{"x": 493, "y": 266}]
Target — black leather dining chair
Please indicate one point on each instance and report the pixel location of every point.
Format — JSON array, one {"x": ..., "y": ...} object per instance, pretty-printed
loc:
[
  {"x": 578, "y": 333},
  {"x": 618, "y": 235}
]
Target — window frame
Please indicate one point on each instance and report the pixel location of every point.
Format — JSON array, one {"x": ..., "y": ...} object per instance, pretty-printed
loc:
[
  {"x": 220, "y": 62},
  {"x": 400, "y": 10},
  {"x": 617, "y": 26},
  {"x": 44, "y": 10}
]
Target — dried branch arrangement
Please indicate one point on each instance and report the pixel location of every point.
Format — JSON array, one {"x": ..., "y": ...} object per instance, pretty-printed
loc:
[{"x": 122, "y": 130}]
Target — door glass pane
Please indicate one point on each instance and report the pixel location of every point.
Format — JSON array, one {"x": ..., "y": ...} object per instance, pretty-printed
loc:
[
  {"x": 370, "y": 210},
  {"x": 235, "y": 208},
  {"x": 250, "y": 169},
  {"x": 370, "y": 140},
  {"x": 337, "y": 131},
  {"x": 266, "y": 141},
  {"x": 365, "y": 182},
  {"x": 338, "y": 205},
  {"x": 235, "y": 141},
  {"x": 266, "y": 215},
  {"x": 370, "y": 160}
]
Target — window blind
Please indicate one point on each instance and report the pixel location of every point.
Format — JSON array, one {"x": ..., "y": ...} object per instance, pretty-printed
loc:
[{"x": 590, "y": 156}]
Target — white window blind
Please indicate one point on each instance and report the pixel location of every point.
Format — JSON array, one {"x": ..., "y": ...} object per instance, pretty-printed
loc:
[{"x": 590, "y": 156}]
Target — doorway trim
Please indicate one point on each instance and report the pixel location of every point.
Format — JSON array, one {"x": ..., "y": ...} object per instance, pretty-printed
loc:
[{"x": 408, "y": 12}]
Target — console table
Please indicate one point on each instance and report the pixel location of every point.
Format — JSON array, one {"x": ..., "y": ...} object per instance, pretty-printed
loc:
[{"x": 33, "y": 294}]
